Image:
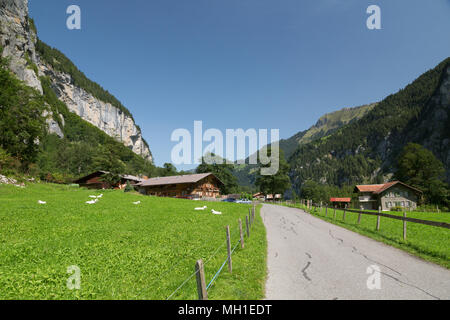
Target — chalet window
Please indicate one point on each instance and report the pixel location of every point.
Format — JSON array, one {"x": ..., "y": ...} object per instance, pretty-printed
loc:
[{"x": 403, "y": 203}]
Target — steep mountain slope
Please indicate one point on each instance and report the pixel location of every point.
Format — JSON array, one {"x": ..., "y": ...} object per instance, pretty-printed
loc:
[
  {"x": 326, "y": 125},
  {"x": 31, "y": 59},
  {"x": 365, "y": 150}
]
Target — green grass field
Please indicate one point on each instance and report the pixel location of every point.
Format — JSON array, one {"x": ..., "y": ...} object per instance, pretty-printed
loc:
[
  {"x": 427, "y": 242},
  {"x": 124, "y": 251}
]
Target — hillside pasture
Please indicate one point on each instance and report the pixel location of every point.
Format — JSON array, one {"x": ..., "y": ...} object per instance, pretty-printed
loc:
[{"x": 123, "y": 250}]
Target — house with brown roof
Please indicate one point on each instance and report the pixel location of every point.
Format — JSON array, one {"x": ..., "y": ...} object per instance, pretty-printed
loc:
[
  {"x": 96, "y": 180},
  {"x": 387, "y": 196},
  {"x": 202, "y": 185}
]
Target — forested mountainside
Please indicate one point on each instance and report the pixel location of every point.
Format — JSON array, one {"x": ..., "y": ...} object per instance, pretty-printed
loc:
[
  {"x": 365, "y": 150},
  {"x": 55, "y": 122},
  {"x": 326, "y": 125}
]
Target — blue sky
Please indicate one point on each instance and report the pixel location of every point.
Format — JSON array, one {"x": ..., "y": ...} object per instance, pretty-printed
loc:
[{"x": 245, "y": 63}]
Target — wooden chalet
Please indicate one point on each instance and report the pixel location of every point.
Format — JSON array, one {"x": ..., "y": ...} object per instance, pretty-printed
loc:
[
  {"x": 202, "y": 185},
  {"x": 96, "y": 180},
  {"x": 387, "y": 196}
]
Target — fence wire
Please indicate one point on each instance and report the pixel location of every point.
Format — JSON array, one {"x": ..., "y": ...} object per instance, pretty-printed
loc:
[{"x": 193, "y": 274}]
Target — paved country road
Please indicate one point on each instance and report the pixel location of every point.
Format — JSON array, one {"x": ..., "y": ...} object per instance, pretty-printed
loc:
[{"x": 309, "y": 258}]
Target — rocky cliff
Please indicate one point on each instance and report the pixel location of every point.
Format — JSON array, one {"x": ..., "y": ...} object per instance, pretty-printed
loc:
[{"x": 18, "y": 40}]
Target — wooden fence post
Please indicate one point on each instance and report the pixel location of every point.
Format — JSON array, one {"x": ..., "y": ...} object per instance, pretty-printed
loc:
[
  {"x": 359, "y": 215},
  {"x": 334, "y": 212},
  {"x": 404, "y": 226},
  {"x": 230, "y": 266},
  {"x": 201, "y": 284},
  {"x": 326, "y": 211},
  {"x": 345, "y": 211},
  {"x": 378, "y": 218},
  {"x": 241, "y": 233},
  {"x": 247, "y": 226}
]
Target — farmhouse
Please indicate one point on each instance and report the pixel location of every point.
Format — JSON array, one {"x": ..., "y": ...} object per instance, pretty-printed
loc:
[
  {"x": 259, "y": 196},
  {"x": 203, "y": 185},
  {"x": 387, "y": 196},
  {"x": 96, "y": 180}
]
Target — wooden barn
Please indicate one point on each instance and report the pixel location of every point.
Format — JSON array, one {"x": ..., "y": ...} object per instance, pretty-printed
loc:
[
  {"x": 202, "y": 185},
  {"x": 340, "y": 202},
  {"x": 95, "y": 180}
]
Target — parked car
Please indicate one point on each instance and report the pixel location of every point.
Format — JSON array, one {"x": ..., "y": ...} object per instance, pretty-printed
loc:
[
  {"x": 244, "y": 201},
  {"x": 229, "y": 200},
  {"x": 190, "y": 197}
]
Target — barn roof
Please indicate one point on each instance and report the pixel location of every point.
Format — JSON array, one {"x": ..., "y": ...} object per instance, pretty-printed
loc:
[
  {"x": 340, "y": 199},
  {"x": 189, "y": 178},
  {"x": 379, "y": 188},
  {"x": 101, "y": 173}
]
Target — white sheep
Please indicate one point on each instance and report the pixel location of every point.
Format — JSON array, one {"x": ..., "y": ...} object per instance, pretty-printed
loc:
[
  {"x": 42, "y": 202},
  {"x": 216, "y": 212},
  {"x": 201, "y": 208}
]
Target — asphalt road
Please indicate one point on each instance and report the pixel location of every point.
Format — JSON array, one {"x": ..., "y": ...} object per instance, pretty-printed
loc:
[{"x": 309, "y": 258}]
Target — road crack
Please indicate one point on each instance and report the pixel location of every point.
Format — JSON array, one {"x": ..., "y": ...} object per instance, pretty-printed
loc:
[{"x": 308, "y": 264}]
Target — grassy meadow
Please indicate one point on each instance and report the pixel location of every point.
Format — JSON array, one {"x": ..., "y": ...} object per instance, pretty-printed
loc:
[
  {"x": 124, "y": 251},
  {"x": 429, "y": 243}
]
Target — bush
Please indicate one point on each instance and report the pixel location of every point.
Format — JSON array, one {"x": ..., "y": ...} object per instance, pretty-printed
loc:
[
  {"x": 398, "y": 209},
  {"x": 129, "y": 187}
]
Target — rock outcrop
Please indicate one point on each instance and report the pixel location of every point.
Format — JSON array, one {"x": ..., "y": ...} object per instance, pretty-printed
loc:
[{"x": 18, "y": 40}]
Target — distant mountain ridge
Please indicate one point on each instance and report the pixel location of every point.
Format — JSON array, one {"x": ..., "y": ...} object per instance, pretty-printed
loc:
[
  {"x": 356, "y": 145},
  {"x": 326, "y": 125},
  {"x": 365, "y": 150}
]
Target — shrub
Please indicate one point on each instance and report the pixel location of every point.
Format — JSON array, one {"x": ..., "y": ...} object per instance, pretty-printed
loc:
[{"x": 129, "y": 187}]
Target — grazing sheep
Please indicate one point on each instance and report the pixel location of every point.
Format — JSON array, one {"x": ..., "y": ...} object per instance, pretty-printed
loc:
[
  {"x": 216, "y": 212},
  {"x": 201, "y": 208},
  {"x": 42, "y": 202},
  {"x": 137, "y": 202}
]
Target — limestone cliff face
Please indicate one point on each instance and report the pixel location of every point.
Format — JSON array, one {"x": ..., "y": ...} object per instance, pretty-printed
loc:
[
  {"x": 18, "y": 40},
  {"x": 104, "y": 116}
]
